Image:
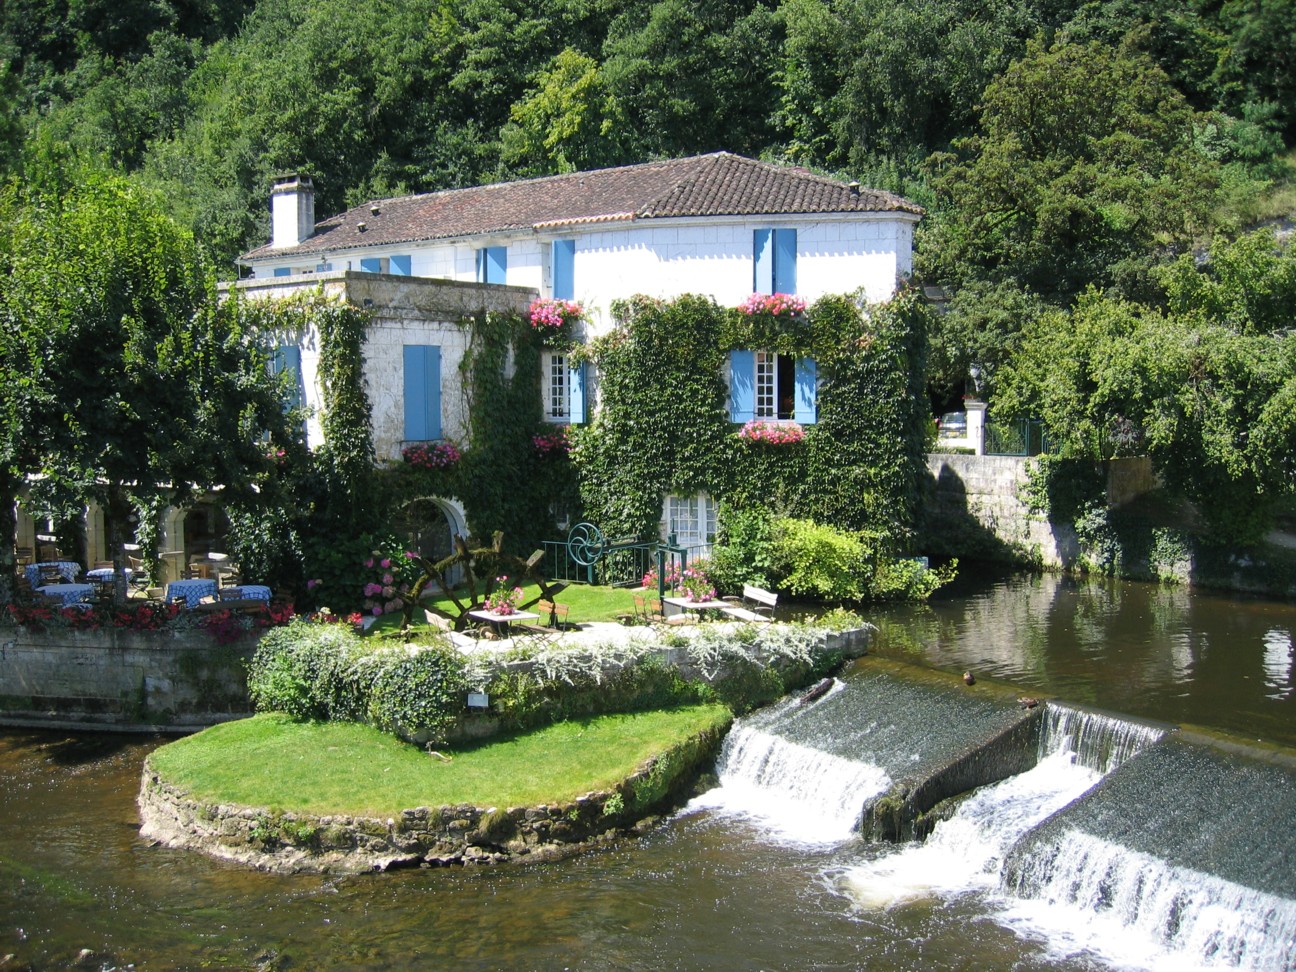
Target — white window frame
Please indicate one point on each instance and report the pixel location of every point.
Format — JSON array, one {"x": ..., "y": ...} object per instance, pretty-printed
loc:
[
  {"x": 698, "y": 513},
  {"x": 766, "y": 387},
  {"x": 555, "y": 387}
]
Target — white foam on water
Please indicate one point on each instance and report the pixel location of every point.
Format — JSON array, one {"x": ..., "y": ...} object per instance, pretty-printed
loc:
[
  {"x": 1136, "y": 911},
  {"x": 794, "y": 793},
  {"x": 966, "y": 852}
]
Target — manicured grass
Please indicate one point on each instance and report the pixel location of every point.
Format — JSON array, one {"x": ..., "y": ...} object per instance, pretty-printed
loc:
[
  {"x": 344, "y": 768},
  {"x": 586, "y": 603}
]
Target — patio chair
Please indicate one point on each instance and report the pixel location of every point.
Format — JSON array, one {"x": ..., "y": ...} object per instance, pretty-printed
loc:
[
  {"x": 543, "y": 633},
  {"x": 26, "y": 555},
  {"x": 458, "y": 639},
  {"x": 50, "y": 575}
]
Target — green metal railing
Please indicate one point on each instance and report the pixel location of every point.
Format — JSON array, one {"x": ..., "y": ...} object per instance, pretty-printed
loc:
[{"x": 1023, "y": 437}]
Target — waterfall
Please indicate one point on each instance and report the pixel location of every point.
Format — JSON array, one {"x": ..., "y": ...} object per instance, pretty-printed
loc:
[
  {"x": 1122, "y": 904},
  {"x": 1099, "y": 742},
  {"x": 793, "y": 792},
  {"x": 965, "y": 853}
]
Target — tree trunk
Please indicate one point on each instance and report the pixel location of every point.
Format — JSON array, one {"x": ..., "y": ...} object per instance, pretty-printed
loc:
[{"x": 8, "y": 535}]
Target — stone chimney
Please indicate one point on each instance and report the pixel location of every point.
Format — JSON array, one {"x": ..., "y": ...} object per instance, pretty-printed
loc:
[{"x": 292, "y": 210}]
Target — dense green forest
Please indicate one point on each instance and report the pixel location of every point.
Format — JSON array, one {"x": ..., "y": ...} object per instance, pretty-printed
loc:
[{"x": 1079, "y": 162}]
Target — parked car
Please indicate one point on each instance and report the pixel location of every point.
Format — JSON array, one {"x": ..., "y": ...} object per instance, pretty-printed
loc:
[{"x": 952, "y": 425}]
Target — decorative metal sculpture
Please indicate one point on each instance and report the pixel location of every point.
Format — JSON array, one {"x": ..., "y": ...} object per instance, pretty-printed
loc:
[{"x": 586, "y": 544}]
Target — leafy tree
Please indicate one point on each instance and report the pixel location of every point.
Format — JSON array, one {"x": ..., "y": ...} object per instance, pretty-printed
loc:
[
  {"x": 139, "y": 385},
  {"x": 693, "y": 76},
  {"x": 1084, "y": 163},
  {"x": 1212, "y": 406},
  {"x": 864, "y": 80},
  {"x": 567, "y": 123},
  {"x": 1248, "y": 285}
]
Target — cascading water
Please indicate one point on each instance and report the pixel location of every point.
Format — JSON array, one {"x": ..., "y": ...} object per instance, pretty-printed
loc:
[
  {"x": 796, "y": 793},
  {"x": 966, "y": 852},
  {"x": 1171, "y": 862},
  {"x": 1099, "y": 742},
  {"x": 1133, "y": 908}
]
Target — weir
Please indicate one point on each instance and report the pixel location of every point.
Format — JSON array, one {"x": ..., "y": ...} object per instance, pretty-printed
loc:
[
  {"x": 1189, "y": 847},
  {"x": 1120, "y": 839}
]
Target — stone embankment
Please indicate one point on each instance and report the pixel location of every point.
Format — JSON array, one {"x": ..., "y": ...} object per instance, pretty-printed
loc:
[{"x": 423, "y": 836}]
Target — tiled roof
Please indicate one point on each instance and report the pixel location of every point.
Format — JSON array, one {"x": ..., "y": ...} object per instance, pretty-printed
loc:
[{"x": 720, "y": 184}]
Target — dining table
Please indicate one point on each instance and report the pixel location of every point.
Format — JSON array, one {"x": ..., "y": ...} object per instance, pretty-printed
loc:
[
  {"x": 246, "y": 592},
  {"x": 683, "y": 605},
  {"x": 193, "y": 591},
  {"x": 500, "y": 622},
  {"x": 69, "y": 594},
  {"x": 68, "y": 569}
]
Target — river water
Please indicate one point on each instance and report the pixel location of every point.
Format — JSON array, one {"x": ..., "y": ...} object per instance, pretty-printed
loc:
[{"x": 732, "y": 882}]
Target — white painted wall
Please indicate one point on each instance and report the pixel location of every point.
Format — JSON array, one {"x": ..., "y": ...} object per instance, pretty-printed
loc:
[{"x": 665, "y": 258}]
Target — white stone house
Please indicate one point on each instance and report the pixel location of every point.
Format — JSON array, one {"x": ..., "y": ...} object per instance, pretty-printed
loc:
[{"x": 719, "y": 224}]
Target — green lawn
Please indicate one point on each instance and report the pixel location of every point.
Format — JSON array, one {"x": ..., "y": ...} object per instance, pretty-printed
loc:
[
  {"x": 344, "y": 768},
  {"x": 585, "y": 602}
]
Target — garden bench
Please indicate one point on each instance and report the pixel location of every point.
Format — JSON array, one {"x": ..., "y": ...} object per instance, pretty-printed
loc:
[{"x": 757, "y": 605}]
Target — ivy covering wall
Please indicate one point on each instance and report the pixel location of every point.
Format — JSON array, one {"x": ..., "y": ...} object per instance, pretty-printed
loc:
[{"x": 663, "y": 424}]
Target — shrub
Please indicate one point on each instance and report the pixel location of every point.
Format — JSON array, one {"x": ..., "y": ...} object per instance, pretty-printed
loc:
[
  {"x": 819, "y": 562},
  {"x": 417, "y": 695}
]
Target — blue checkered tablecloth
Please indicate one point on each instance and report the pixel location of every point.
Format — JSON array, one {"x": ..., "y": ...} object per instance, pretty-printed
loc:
[
  {"x": 193, "y": 591},
  {"x": 68, "y": 568},
  {"x": 106, "y": 574},
  {"x": 249, "y": 592},
  {"x": 68, "y": 593}
]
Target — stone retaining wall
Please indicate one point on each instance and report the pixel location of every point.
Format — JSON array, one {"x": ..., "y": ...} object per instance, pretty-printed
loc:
[
  {"x": 126, "y": 679},
  {"x": 974, "y": 509},
  {"x": 422, "y": 836}
]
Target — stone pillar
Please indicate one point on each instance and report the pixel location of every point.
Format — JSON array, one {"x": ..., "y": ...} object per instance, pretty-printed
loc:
[{"x": 976, "y": 424}]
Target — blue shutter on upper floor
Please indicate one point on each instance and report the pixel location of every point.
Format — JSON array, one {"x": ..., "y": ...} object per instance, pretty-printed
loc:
[
  {"x": 785, "y": 260},
  {"x": 742, "y": 386},
  {"x": 287, "y": 357},
  {"x": 492, "y": 264},
  {"x": 371, "y": 265},
  {"x": 806, "y": 375},
  {"x": 576, "y": 400},
  {"x": 283, "y": 271},
  {"x": 422, "y": 392},
  {"x": 496, "y": 265},
  {"x": 564, "y": 269},
  {"x": 400, "y": 265},
  {"x": 762, "y": 262}
]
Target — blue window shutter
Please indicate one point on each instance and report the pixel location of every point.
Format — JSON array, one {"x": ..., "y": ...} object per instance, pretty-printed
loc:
[
  {"x": 422, "y": 392},
  {"x": 742, "y": 386},
  {"x": 785, "y": 255},
  {"x": 287, "y": 357},
  {"x": 564, "y": 269},
  {"x": 763, "y": 262},
  {"x": 400, "y": 265},
  {"x": 283, "y": 271},
  {"x": 496, "y": 264},
  {"x": 806, "y": 374},
  {"x": 576, "y": 394},
  {"x": 481, "y": 264},
  {"x": 371, "y": 265}
]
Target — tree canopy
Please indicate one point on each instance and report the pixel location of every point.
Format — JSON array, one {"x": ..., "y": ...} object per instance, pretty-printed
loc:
[{"x": 126, "y": 379}]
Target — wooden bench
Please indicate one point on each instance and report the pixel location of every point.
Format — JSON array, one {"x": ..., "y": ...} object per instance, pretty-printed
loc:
[{"x": 757, "y": 605}]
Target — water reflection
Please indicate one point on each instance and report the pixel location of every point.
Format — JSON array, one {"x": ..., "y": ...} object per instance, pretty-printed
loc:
[
  {"x": 1166, "y": 653},
  {"x": 1278, "y": 663}
]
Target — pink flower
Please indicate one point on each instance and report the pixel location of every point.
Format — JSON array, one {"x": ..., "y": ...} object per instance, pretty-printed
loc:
[
  {"x": 313, "y": 583},
  {"x": 387, "y": 578},
  {"x": 412, "y": 555},
  {"x": 386, "y": 562},
  {"x": 369, "y": 562},
  {"x": 377, "y": 610}
]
